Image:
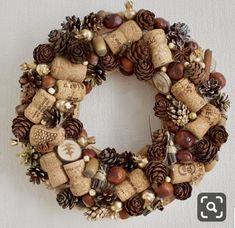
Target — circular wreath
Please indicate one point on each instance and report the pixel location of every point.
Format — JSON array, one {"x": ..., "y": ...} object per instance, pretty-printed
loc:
[{"x": 189, "y": 102}]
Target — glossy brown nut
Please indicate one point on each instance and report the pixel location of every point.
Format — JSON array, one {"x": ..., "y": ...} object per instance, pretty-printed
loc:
[
  {"x": 93, "y": 58},
  {"x": 175, "y": 71},
  {"x": 48, "y": 82},
  {"x": 89, "y": 152},
  {"x": 184, "y": 156},
  {"x": 88, "y": 200},
  {"x": 220, "y": 78},
  {"x": 161, "y": 23},
  {"x": 116, "y": 175},
  {"x": 112, "y": 21},
  {"x": 164, "y": 190},
  {"x": 20, "y": 109},
  {"x": 185, "y": 139},
  {"x": 171, "y": 126},
  {"x": 123, "y": 214},
  {"x": 126, "y": 64}
]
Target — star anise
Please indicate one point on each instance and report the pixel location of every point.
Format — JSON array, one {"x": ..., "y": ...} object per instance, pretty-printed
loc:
[{"x": 181, "y": 55}]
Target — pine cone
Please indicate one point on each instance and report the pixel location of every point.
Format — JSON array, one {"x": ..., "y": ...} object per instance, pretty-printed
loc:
[
  {"x": 181, "y": 55},
  {"x": 32, "y": 78},
  {"x": 37, "y": 175},
  {"x": 217, "y": 135},
  {"x": 27, "y": 93},
  {"x": 96, "y": 75},
  {"x": 109, "y": 156},
  {"x": 73, "y": 128},
  {"x": 21, "y": 127},
  {"x": 43, "y": 53},
  {"x": 66, "y": 199},
  {"x": 95, "y": 213},
  {"x": 161, "y": 106},
  {"x": 222, "y": 102},
  {"x": 127, "y": 161},
  {"x": 105, "y": 197},
  {"x": 58, "y": 40},
  {"x": 139, "y": 51},
  {"x": 72, "y": 24},
  {"x": 204, "y": 151},
  {"x": 144, "y": 70},
  {"x": 93, "y": 22},
  {"x": 109, "y": 62},
  {"x": 159, "y": 137},
  {"x": 145, "y": 19},
  {"x": 195, "y": 72},
  {"x": 178, "y": 34},
  {"x": 209, "y": 89},
  {"x": 51, "y": 117},
  {"x": 34, "y": 159},
  {"x": 78, "y": 50},
  {"x": 134, "y": 206},
  {"x": 178, "y": 113},
  {"x": 44, "y": 148},
  {"x": 182, "y": 191},
  {"x": 156, "y": 152},
  {"x": 156, "y": 172}
]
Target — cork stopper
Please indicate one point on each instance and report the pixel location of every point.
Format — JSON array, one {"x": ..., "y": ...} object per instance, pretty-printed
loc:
[
  {"x": 63, "y": 69},
  {"x": 41, "y": 102},
  {"x": 185, "y": 92},
  {"x": 160, "y": 52},
  {"x": 209, "y": 117},
  {"x": 67, "y": 90},
  {"x": 52, "y": 165}
]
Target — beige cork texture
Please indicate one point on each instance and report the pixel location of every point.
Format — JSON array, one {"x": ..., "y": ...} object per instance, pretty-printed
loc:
[
  {"x": 41, "y": 102},
  {"x": 52, "y": 165},
  {"x": 67, "y": 90},
  {"x": 125, "y": 190},
  {"x": 63, "y": 69},
  {"x": 185, "y": 92},
  {"x": 208, "y": 117}
]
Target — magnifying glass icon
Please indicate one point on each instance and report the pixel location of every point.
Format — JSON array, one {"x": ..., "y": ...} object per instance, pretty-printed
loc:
[{"x": 211, "y": 207}]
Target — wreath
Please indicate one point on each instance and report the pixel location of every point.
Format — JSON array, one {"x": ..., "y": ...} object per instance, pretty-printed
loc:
[{"x": 189, "y": 102}]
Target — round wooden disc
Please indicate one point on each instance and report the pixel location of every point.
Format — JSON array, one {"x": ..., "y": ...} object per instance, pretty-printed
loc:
[
  {"x": 162, "y": 82},
  {"x": 69, "y": 151}
]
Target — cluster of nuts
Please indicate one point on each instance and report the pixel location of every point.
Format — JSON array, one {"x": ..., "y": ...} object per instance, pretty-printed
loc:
[{"x": 189, "y": 103}]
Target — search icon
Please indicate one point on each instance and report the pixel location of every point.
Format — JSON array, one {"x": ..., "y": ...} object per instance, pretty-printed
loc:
[{"x": 211, "y": 207}]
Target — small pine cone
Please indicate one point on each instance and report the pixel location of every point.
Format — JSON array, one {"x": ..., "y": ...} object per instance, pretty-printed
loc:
[
  {"x": 109, "y": 62},
  {"x": 37, "y": 175},
  {"x": 95, "y": 213},
  {"x": 78, "y": 50},
  {"x": 58, "y": 40},
  {"x": 156, "y": 152},
  {"x": 66, "y": 199},
  {"x": 204, "y": 151},
  {"x": 156, "y": 172},
  {"x": 139, "y": 51},
  {"x": 159, "y": 137},
  {"x": 218, "y": 135},
  {"x": 161, "y": 106},
  {"x": 73, "y": 128},
  {"x": 144, "y": 70},
  {"x": 222, "y": 102},
  {"x": 92, "y": 22},
  {"x": 134, "y": 206},
  {"x": 30, "y": 77},
  {"x": 109, "y": 156},
  {"x": 21, "y": 127},
  {"x": 96, "y": 74},
  {"x": 195, "y": 72},
  {"x": 43, "y": 53},
  {"x": 145, "y": 19},
  {"x": 209, "y": 89},
  {"x": 127, "y": 161},
  {"x": 51, "y": 117},
  {"x": 72, "y": 24},
  {"x": 182, "y": 191},
  {"x": 105, "y": 197}
]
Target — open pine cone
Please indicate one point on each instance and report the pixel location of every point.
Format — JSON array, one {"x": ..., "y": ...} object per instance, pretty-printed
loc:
[
  {"x": 66, "y": 199},
  {"x": 144, "y": 70},
  {"x": 109, "y": 156},
  {"x": 157, "y": 152},
  {"x": 161, "y": 107},
  {"x": 73, "y": 128},
  {"x": 127, "y": 161},
  {"x": 105, "y": 197},
  {"x": 135, "y": 205},
  {"x": 145, "y": 19},
  {"x": 36, "y": 174},
  {"x": 92, "y": 22},
  {"x": 109, "y": 62},
  {"x": 182, "y": 191}
]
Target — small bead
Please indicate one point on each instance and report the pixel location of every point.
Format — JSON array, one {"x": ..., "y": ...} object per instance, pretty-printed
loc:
[
  {"x": 186, "y": 64},
  {"x": 92, "y": 192},
  {"x": 85, "y": 63},
  {"x": 67, "y": 105},
  {"x": 192, "y": 116},
  {"x": 163, "y": 69},
  {"x": 51, "y": 91},
  {"x": 168, "y": 179},
  {"x": 171, "y": 45},
  {"x": 86, "y": 158}
]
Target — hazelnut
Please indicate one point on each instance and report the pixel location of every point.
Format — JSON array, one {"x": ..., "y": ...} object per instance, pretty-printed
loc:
[
  {"x": 123, "y": 214},
  {"x": 48, "y": 82},
  {"x": 175, "y": 71},
  {"x": 126, "y": 65},
  {"x": 88, "y": 200},
  {"x": 116, "y": 175}
]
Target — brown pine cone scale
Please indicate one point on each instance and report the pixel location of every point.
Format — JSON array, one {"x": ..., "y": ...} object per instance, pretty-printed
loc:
[
  {"x": 43, "y": 53},
  {"x": 182, "y": 191},
  {"x": 144, "y": 70},
  {"x": 73, "y": 128},
  {"x": 134, "y": 206}
]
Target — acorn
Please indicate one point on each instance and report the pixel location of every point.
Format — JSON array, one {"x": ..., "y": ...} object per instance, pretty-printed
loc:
[{"x": 99, "y": 45}]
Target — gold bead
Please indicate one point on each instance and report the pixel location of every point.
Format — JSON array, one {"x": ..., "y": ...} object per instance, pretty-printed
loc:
[
  {"x": 171, "y": 45},
  {"x": 163, "y": 69},
  {"x": 148, "y": 195},
  {"x": 116, "y": 206},
  {"x": 82, "y": 141},
  {"x": 60, "y": 105},
  {"x": 192, "y": 116},
  {"x": 168, "y": 179},
  {"x": 92, "y": 192}
]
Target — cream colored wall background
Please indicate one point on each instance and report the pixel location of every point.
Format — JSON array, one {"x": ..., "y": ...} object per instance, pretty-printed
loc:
[{"x": 116, "y": 113}]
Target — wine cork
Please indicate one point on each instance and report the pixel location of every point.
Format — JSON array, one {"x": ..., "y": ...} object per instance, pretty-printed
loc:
[
  {"x": 193, "y": 172},
  {"x": 52, "y": 165},
  {"x": 79, "y": 184},
  {"x": 63, "y": 69},
  {"x": 209, "y": 117},
  {"x": 185, "y": 92},
  {"x": 41, "y": 102},
  {"x": 127, "y": 32},
  {"x": 67, "y": 90},
  {"x": 91, "y": 168},
  {"x": 136, "y": 182},
  {"x": 160, "y": 52},
  {"x": 39, "y": 135}
]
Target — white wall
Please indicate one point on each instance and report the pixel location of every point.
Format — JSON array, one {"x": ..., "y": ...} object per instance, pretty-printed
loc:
[{"x": 116, "y": 113}]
